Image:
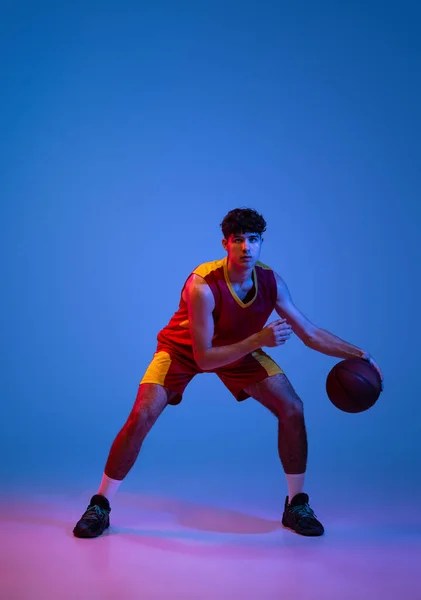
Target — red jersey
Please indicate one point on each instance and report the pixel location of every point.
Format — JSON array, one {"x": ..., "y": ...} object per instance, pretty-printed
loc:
[{"x": 233, "y": 319}]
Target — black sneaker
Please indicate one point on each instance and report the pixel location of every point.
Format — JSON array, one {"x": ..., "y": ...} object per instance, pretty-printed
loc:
[
  {"x": 300, "y": 517},
  {"x": 95, "y": 519}
]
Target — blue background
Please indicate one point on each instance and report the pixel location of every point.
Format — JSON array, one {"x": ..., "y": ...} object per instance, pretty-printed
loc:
[{"x": 127, "y": 132}]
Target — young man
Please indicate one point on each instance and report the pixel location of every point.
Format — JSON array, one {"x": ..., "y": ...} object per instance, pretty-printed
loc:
[{"x": 220, "y": 327}]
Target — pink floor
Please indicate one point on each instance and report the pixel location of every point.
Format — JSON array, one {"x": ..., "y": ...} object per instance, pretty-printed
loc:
[{"x": 161, "y": 547}]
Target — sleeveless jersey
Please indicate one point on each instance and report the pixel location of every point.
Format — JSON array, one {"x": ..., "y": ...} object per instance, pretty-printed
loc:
[{"x": 233, "y": 319}]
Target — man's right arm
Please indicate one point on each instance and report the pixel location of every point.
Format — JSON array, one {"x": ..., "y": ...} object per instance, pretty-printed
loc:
[{"x": 200, "y": 304}]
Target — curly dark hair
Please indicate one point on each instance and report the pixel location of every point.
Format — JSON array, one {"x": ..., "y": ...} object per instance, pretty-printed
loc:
[{"x": 242, "y": 220}]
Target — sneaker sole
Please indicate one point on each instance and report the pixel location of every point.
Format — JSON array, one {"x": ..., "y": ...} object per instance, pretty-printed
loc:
[
  {"x": 86, "y": 535},
  {"x": 305, "y": 533}
]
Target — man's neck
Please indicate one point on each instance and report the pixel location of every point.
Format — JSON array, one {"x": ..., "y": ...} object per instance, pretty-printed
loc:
[{"x": 239, "y": 275}]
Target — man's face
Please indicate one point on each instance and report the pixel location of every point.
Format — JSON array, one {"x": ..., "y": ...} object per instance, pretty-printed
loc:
[{"x": 243, "y": 249}]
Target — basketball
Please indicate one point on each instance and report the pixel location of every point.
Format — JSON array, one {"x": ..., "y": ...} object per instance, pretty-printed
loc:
[{"x": 353, "y": 385}]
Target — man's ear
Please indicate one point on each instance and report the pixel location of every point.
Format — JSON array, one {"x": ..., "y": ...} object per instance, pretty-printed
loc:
[{"x": 224, "y": 244}]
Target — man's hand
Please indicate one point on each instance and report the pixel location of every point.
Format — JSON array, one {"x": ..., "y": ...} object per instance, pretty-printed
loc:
[
  {"x": 275, "y": 334},
  {"x": 368, "y": 358}
]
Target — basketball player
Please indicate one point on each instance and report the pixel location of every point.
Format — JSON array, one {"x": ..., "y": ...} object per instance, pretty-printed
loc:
[{"x": 219, "y": 327}]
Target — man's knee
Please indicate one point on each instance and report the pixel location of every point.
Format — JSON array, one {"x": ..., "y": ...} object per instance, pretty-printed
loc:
[
  {"x": 293, "y": 408},
  {"x": 277, "y": 394},
  {"x": 287, "y": 407},
  {"x": 150, "y": 402},
  {"x": 141, "y": 418}
]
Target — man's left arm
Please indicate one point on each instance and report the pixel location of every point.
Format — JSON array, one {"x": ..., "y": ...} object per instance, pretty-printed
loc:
[{"x": 314, "y": 337}]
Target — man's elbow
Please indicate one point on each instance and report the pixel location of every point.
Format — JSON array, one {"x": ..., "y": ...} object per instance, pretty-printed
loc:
[
  {"x": 309, "y": 336},
  {"x": 200, "y": 359}
]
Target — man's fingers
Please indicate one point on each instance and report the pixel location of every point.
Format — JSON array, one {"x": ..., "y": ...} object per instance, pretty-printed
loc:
[
  {"x": 285, "y": 329},
  {"x": 278, "y": 322},
  {"x": 283, "y": 337},
  {"x": 281, "y": 330},
  {"x": 282, "y": 325},
  {"x": 279, "y": 325}
]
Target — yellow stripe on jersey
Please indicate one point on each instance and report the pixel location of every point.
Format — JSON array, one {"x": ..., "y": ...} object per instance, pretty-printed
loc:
[
  {"x": 263, "y": 266},
  {"x": 158, "y": 368},
  {"x": 207, "y": 267},
  {"x": 267, "y": 363}
]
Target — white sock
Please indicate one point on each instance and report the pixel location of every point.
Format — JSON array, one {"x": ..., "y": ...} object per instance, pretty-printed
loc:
[
  {"x": 295, "y": 483},
  {"x": 108, "y": 487}
]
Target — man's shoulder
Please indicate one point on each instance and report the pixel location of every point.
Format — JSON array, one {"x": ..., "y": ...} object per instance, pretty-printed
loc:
[
  {"x": 206, "y": 268},
  {"x": 262, "y": 266}
]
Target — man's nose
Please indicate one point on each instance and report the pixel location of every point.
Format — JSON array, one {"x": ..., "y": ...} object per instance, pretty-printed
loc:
[{"x": 245, "y": 246}]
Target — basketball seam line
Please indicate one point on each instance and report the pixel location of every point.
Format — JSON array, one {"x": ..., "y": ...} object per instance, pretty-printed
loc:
[{"x": 360, "y": 377}]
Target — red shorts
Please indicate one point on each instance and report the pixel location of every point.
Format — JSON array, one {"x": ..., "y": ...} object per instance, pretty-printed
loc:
[{"x": 174, "y": 368}]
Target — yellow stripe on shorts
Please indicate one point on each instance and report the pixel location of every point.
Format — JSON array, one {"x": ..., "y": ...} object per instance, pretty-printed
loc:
[
  {"x": 267, "y": 363},
  {"x": 158, "y": 368}
]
